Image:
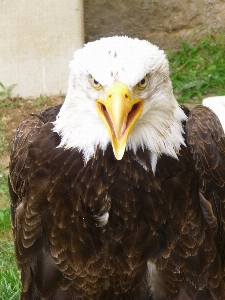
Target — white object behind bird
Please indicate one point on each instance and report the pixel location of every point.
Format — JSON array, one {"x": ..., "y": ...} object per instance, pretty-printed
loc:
[{"x": 217, "y": 105}]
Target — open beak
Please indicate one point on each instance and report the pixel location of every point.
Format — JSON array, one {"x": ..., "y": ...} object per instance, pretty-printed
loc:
[{"x": 119, "y": 112}]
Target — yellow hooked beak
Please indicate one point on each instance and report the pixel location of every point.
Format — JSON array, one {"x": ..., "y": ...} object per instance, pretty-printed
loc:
[{"x": 119, "y": 112}]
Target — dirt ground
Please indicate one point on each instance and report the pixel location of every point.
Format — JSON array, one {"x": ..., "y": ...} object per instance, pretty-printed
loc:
[{"x": 18, "y": 110}]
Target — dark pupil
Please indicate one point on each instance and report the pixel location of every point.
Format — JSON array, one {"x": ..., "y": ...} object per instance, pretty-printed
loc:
[
  {"x": 143, "y": 81},
  {"x": 96, "y": 82}
]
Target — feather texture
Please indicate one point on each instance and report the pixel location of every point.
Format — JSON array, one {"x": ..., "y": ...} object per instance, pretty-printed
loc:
[{"x": 158, "y": 220}]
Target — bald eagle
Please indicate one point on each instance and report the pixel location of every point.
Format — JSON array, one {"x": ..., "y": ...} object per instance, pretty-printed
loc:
[{"x": 119, "y": 193}]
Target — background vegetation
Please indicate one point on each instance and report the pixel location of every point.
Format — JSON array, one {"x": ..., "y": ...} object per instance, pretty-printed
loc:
[
  {"x": 198, "y": 70},
  {"x": 9, "y": 277}
]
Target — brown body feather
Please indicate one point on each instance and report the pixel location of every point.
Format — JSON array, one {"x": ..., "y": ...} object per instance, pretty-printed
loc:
[{"x": 112, "y": 229}]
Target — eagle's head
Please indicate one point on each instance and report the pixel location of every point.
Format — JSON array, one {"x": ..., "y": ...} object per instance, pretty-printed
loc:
[{"x": 119, "y": 91}]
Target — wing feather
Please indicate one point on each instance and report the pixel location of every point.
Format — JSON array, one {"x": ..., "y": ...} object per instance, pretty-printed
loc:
[
  {"x": 206, "y": 141},
  {"x": 31, "y": 245}
]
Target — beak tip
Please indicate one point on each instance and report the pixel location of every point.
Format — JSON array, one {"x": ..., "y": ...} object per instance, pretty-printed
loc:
[{"x": 119, "y": 154}]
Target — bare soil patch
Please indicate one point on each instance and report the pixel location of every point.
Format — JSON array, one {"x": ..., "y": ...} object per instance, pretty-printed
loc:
[{"x": 17, "y": 110}]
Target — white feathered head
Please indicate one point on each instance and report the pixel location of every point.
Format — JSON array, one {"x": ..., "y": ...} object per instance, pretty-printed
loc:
[{"x": 119, "y": 92}]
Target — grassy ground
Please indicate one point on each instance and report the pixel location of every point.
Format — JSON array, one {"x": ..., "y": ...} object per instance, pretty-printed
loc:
[
  {"x": 9, "y": 277},
  {"x": 197, "y": 71}
]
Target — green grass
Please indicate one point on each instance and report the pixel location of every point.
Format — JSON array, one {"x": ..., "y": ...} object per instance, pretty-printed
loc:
[
  {"x": 42, "y": 100},
  {"x": 3, "y": 143},
  {"x": 5, "y": 93},
  {"x": 10, "y": 285},
  {"x": 5, "y": 97},
  {"x": 197, "y": 70},
  {"x": 4, "y": 193}
]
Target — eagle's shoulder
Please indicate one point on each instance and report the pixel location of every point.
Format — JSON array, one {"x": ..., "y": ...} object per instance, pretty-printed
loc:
[
  {"x": 49, "y": 115},
  {"x": 206, "y": 140},
  {"x": 26, "y": 133}
]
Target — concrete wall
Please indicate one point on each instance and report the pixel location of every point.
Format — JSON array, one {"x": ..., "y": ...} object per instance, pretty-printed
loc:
[
  {"x": 162, "y": 22},
  {"x": 37, "y": 41}
]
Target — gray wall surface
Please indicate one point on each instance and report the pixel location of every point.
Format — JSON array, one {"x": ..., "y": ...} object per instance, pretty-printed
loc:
[
  {"x": 163, "y": 22},
  {"x": 37, "y": 41}
]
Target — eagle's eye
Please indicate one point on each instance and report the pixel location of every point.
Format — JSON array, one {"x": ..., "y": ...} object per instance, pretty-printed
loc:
[
  {"x": 143, "y": 83},
  {"x": 95, "y": 84}
]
